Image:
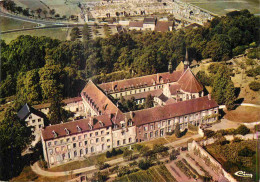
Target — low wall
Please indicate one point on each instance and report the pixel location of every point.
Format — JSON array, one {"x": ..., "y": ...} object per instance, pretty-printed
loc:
[{"x": 215, "y": 165}]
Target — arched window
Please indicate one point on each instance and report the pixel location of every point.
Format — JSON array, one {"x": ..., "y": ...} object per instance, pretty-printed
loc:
[
  {"x": 130, "y": 140},
  {"x": 86, "y": 150},
  {"x": 103, "y": 147},
  {"x": 118, "y": 142},
  {"x": 92, "y": 149},
  {"x": 81, "y": 152},
  {"x": 75, "y": 153},
  {"x": 63, "y": 157}
]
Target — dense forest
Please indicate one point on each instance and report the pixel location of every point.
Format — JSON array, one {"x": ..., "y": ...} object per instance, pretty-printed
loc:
[{"x": 36, "y": 68}]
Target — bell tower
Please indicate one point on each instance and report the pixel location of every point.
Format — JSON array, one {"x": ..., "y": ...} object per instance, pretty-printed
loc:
[
  {"x": 186, "y": 61},
  {"x": 170, "y": 67}
]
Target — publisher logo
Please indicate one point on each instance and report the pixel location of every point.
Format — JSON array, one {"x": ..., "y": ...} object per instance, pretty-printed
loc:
[{"x": 243, "y": 174}]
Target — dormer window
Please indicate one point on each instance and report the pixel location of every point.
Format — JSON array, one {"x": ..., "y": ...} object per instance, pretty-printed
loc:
[
  {"x": 54, "y": 134},
  {"x": 130, "y": 123},
  {"x": 101, "y": 123},
  {"x": 122, "y": 125},
  {"x": 67, "y": 131},
  {"x": 90, "y": 126},
  {"x": 78, "y": 128}
]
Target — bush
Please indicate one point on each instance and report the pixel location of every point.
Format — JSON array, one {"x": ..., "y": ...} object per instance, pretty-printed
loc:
[
  {"x": 255, "y": 86},
  {"x": 242, "y": 130},
  {"x": 138, "y": 147},
  {"x": 239, "y": 50},
  {"x": 104, "y": 166},
  {"x": 134, "y": 163},
  {"x": 113, "y": 152},
  {"x": 209, "y": 133},
  {"x": 246, "y": 152},
  {"x": 144, "y": 164},
  {"x": 108, "y": 154}
]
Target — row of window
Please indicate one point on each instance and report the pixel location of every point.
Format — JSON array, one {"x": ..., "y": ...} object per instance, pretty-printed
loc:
[
  {"x": 77, "y": 138},
  {"x": 124, "y": 141}
]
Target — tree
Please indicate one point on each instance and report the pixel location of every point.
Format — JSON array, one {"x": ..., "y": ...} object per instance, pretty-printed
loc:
[
  {"x": 38, "y": 11},
  {"x": 74, "y": 34},
  {"x": 223, "y": 87},
  {"x": 32, "y": 12},
  {"x": 127, "y": 154},
  {"x": 144, "y": 164},
  {"x": 14, "y": 137},
  {"x": 204, "y": 78},
  {"x": 85, "y": 32},
  {"x": 52, "y": 12},
  {"x": 56, "y": 113},
  {"x": 242, "y": 130},
  {"x": 19, "y": 9},
  {"x": 45, "y": 12},
  {"x": 50, "y": 80},
  {"x": 149, "y": 101},
  {"x": 177, "y": 130},
  {"x": 108, "y": 154},
  {"x": 255, "y": 86},
  {"x": 230, "y": 96},
  {"x": 113, "y": 152}
]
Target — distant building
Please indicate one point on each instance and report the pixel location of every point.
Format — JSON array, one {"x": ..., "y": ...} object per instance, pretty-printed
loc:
[
  {"x": 33, "y": 118},
  {"x": 151, "y": 24}
]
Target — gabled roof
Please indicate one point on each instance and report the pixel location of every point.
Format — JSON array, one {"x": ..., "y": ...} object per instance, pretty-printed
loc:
[
  {"x": 180, "y": 66},
  {"x": 163, "y": 26},
  {"x": 189, "y": 82},
  {"x": 138, "y": 24},
  {"x": 72, "y": 127},
  {"x": 149, "y": 20},
  {"x": 26, "y": 110},
  {"x": 98, "y": 98},
  {"x": 173, "y": 110},
  {"x": 139, "y": 82}
]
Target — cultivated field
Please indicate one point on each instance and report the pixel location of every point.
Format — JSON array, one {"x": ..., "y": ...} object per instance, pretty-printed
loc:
[
  {"x": 221, "y": 7},
  {"x": 62, "y": 7}
]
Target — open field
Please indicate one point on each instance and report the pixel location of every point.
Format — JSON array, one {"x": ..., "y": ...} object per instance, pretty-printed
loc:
[
  {"x": 55, "y": 33},
  {"x": 221, "y": 7},
  {"x": 243, "y": 114},
  {"x": 12, "y": 24},
  {"x": 62, "y": 7},
  {"x": 156, "y": 174}
]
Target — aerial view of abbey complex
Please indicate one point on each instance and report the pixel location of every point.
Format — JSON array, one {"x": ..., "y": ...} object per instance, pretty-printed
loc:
[{"x": 130, "y": 90}]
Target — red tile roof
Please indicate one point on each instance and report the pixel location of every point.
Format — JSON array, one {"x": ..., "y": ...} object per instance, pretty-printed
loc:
[
  {"x": 139, "y": 82},
  {"x": 136, "y": 24},
  {"x": 101, "y": 101},
  {"x": 72, "y": 127},
  {"x": 189, "y": 82},
  {"x": 174, "y": 88},
  {"x": 163, "y": 26},
  {"x": 173, "y": 110}
]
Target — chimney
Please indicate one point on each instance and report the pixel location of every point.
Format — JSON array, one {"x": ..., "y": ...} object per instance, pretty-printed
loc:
[
  {"x": 132, "y": 115},
  {"x": 209, "y": 96}
]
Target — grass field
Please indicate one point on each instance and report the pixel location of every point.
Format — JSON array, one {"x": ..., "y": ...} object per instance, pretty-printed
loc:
[
  {"x": 221, "y": 7},
  {"x": 56, "y": 33},
  {"x": 11, "y": 24},
  {"x": 243, "y": 114},
  {"x": 155, "y": 174}
]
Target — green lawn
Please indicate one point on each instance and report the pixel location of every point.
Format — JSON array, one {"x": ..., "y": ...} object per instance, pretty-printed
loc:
[
  {"x": 57, "y": 33},
  {"x": 221, "y": 7},
  {"x": 12, "y": 24}
]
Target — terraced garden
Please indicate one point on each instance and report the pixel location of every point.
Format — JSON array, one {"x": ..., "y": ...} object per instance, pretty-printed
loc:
[{"x": 155, "y": 174}]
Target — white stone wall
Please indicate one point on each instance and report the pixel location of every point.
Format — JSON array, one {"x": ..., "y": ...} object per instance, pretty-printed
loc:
[
  {"x": 36, "y": 122},
  {"x": 124, "y": 136},
  {"x": 73, "y": 147}
]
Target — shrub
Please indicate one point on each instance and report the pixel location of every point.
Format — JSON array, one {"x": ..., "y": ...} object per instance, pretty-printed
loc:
[
  {"x": 144, "y": 164},
  {"x": 209, "y": 133},
  {"x": 104, "y": 166},
  {"x": 255, "y": 86},
  {"x": 246, "y": 152},
  {"x": 177, "y": 131},
  {"x": 114, "y": 153},
  {"x": 108, "y": 154},
  {"x": 138, "y": 146},
  {"x": 243, "y": 130},
  {"x": 134, "y": 163}
]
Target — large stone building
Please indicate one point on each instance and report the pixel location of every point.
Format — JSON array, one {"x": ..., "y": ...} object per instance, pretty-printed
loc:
[{"x": 178, "y": 98}]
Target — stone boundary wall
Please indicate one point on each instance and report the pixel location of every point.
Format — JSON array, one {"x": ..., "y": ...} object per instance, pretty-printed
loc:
[
  {"x": 215, "y": 165},
  {"x": 251, "y": 136}
]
